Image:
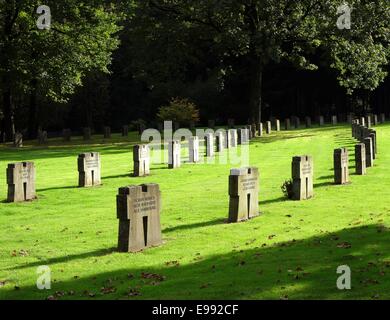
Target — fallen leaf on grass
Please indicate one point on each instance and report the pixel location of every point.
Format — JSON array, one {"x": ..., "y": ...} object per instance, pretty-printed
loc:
[{"x": 344, "y": 245}]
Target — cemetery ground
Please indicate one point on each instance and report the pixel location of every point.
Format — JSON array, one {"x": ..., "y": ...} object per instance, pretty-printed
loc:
[{"x": 291, "y": 251}]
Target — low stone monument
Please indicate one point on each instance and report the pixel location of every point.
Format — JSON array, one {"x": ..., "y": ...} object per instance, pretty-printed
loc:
[
  {"x": 321, "y": 121},
  {"x": 141, "y": 159},
  {"x": 174, "y": 154},
  {"x": 383, "y": 118},
  {"x": 107, "y": 133},
  {"x": 375, "y": 119},
  {"x": 302, "y": 175},
  {"x": 87, "y": 134},
  {"x": 260, "y": 129},
  {"x": 253, "y": 130},
  {"x": 360, "y": 159},
  {"x": 277, "y": 125},
  {"x": 67, "y": 135},
  {"x": 220, "y": 140},
  {"x": 125, "y": 131},
  {"x": 297, "y": 122},
  {"x": 368, "y": 121},
  {"x": 308, "y": 122},
  {"x": 42, "y": 137},
  {"x": 287, "y": 124},
  {"x": 372, "y": 134},
  {"x": 209, "y": 141},
  {"x": 21, "y": 182},
  {"x": 193, "y": 149},
  {"x": 334, "y": 120},
  {"x": 249, "y": 132},
  {"x": 244, "y": 194},
  {"x": 89, "y": 168},
  {"x": 233, "y": 138},
  {"x": 341, "y": 166},
  {"x": 268, "y": 127},
  {"x": 138, "y": 211},
  {"x": 363, "y": 121},
  {"x": 18, "y": 140},
  {"x": 369, "y": 152}
]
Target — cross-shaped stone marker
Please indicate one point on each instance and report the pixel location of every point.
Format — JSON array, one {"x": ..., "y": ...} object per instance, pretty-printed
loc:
[
  {"x": 302, "y": 174},
  {"x": 21, "y": 182},
  {"x": 138, "y": 211},
  {"x": 89, "y": 167}
]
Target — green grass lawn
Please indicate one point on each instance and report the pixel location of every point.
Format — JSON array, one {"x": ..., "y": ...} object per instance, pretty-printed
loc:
[{"x": 291, "y": 251}]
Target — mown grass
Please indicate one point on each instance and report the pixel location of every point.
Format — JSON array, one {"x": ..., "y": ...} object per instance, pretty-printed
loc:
[{"x": 291, "y": 251}]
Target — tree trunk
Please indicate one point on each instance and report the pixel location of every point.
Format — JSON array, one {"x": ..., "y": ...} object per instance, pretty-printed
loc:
[
  {"x": 256, "y": 96},
  {"x": 32, "y": 112},
  {"x": 8, "y": 126}
]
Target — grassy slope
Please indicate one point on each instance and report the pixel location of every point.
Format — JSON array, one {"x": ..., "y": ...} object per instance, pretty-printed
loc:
[{"x": 290, "y": 251}]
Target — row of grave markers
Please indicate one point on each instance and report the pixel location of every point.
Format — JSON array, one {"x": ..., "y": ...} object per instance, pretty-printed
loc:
[
  {"x": 256, "y": 129},
  {"x": 139, "y": 207}
]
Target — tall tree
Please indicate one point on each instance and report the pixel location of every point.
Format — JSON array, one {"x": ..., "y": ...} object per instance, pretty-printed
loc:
[
  {"x": 265, "y": 31},
  {"x": 52, "y": 62}
]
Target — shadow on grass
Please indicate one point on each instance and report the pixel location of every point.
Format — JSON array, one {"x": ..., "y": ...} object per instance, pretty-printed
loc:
[
  {"x": 295, "y": 269},
  {"x": 195, "y": 225},
  {"x": 58, "y": 188}
]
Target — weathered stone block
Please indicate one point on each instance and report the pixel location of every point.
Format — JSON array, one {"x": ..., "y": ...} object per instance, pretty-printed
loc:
[
  {"x": 174, "y": 154},
  {"x": 341, "y": 166},
  {"x": 244, "y": 194},
  {"x": 209, "y": 141},
  {"x": 302, "y": 175},
  {"x": 193, "y": 149},
  {"x": 141, "y": 159},
  {"x": 369, "y": 152},
  {"x": 89, "y": 168},
  {"x": 360, "y": 159},
  {"x": 21, "y": 182},
  {"x": 138, "y": 211}
]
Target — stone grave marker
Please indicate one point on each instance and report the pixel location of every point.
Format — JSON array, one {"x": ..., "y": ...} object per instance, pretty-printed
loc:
[
  {"x": 193, "y": 149},
  {"x": 277, "y": 125},
  {"x": 211, "y": 124},
  {"x": 308, "y": 122},
  {"x": 372, "y": 135},
  {"x": 321, "y": 121},
  {"x": 297, "y": 122},
  {"x": 220, "y": 140},
  {"x": 369, "y": 152},
  {"x": 18, "y": 140},
  {"x": 334, "y": 120},
  {"x": 368, "y": 121},
  {"x": 138, "y": 211},
  {"x": 209, "y": 141},
  {"x": 360, "y": 159},
  {"x": 141, "y": 159},
  {"x": 375, "y": 119},
  {"x": 174, "y": 154},
  {"x": 21, "y": 182},
  {"x": 260, "y": 129},
  {"x": 253, "y": 130},
  {"x": 302, "y": 175},
  {"x": 89, "y": 168},
  {"x": 383, "y": 118},
  {"x": 244, "y": 194},
  {"x": 231, "y": 123},
  {"x": 268, "y": 127},
  {"x": 341, "y": 166},
  {"x": 233, "y": 138},
  {"x": 125, "y": 131},
  {"x": 87, "y": 134},
  {"x": 42, "y": 137},
  {"x": 287, "y": 124},
  {"x": 363, "y": 121},
  {"x": 107, "y": 133},
  {"x": 67, "y": 135}
]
